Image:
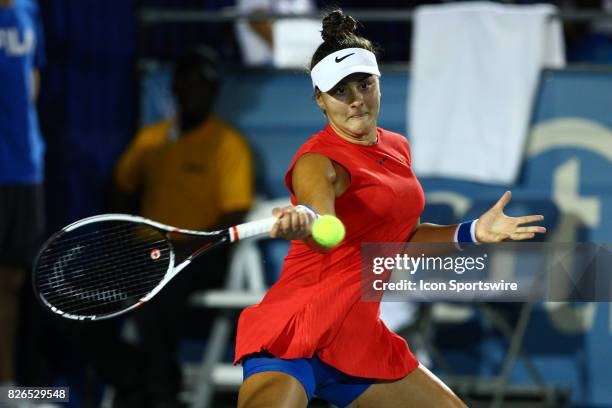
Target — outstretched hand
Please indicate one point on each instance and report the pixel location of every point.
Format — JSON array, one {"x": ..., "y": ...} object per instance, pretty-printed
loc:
[{"x": 495, "y": 226}]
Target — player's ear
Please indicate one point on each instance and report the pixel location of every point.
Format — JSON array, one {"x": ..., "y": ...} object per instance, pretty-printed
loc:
[{"x": 318, "y": 95}]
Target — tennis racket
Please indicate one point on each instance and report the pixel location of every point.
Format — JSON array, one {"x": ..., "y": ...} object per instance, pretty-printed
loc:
[{"x": 103, "y": 266}]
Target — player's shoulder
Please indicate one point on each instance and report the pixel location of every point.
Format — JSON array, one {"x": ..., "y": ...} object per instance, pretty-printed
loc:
[
  {"x": 393, "y": 136},
  {"x": 317, "y": 147},
  {"x": 396, "y": 142},
  {"x": 394, "y": 139}
]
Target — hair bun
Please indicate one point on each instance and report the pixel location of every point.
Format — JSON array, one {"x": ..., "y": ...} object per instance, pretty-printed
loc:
[{"x": 337, "y": 25}]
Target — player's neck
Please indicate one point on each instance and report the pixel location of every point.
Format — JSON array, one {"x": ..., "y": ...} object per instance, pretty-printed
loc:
[
  {"x": 6, "y": 3},
  {"x": 369, "y": 139}
]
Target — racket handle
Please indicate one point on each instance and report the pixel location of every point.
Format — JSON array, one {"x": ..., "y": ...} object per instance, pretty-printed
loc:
[
  {"x": 251, "y": 229},
  {"x": 262, "y": 227}
]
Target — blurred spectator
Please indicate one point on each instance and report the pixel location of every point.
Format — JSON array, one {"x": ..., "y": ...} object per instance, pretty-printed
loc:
[
  {"x": 21, "y": 164},
  {"x": 192, "y": 172},
  {"x": 255, "y": 37},
  {"x": 589, "y": 42}
]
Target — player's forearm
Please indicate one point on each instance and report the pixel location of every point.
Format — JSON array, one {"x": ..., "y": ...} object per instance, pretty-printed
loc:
[
  {"x": 426, "y": 232},
  {"x": 313, "y": 183}
]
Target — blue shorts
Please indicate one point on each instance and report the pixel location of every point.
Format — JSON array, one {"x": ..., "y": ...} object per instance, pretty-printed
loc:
[{"x": 316, "y": 377}]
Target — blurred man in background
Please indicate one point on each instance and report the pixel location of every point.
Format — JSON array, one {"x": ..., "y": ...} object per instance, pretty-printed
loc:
[
  {"x": 21, "y": 164},
  {"x": 193, "y": 172}
]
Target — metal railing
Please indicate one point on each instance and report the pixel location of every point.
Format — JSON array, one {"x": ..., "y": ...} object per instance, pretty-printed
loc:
[{"x": 160, "y": 15}]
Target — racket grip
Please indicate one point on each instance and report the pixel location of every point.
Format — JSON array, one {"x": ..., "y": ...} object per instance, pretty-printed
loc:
[
  {"x": 262, "y": 227},
  {"x": 252, "y": 229}
]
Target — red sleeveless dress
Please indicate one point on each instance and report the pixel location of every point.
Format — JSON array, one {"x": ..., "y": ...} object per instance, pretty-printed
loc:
[{"x": 315, "y": 306}]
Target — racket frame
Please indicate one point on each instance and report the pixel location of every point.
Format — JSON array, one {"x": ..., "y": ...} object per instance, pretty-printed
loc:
[{"x": 232, "y": 234}]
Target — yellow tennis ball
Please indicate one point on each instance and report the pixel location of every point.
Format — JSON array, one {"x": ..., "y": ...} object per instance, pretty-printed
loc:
[{"x": 328, "y": 231}]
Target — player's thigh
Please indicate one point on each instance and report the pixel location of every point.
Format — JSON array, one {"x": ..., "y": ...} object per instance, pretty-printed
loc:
[
  {"x": 421, "y": 389},
  {"x": 272, "y": 389}
]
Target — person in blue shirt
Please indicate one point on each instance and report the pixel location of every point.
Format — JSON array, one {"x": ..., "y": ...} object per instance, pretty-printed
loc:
[{"x": 21, "y": 163}]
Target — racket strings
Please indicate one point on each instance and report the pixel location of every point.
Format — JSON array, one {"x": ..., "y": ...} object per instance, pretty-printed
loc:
[
  {"x": 67, "y": 243},
  {"x": 70, "y": 297},
  {"x": 108, "y": 280},
  {"x": 99, "y": 274},
  {"x": 133, "y": 285},
  {"x": 126, "y": 284},
  {"x": 122, "y": 283},
  {"x": 94, "y": 260},
  {"x": 76, "y": 305},
  {"x": 99, "y": 268},
  {"x": 96, "y": 272},
  {"x": 101, "y": 300},
  {"x": 118, "y": 230}
]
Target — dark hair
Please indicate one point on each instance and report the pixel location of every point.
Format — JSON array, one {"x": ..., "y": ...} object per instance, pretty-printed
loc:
[
  {"x": 196, "y": 82},
  {"x": 202, "y": 60},
  {"x": 339, "y": 33}
]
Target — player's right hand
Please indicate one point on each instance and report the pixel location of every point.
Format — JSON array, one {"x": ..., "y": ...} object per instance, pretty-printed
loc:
[{"x": 292, "y": 223}]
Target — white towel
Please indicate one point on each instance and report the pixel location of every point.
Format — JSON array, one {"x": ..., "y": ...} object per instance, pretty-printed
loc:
[
  {"x": 295, "y": 41},
  {"x": 475, "y": 73},
  {"x": 256, "y": 51}
]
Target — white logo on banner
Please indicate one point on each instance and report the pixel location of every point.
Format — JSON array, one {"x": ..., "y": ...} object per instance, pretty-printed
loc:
[{"x": 576, "y": 210}]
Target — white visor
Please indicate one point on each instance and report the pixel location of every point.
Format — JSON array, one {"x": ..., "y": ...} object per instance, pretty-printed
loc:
[{"x": 337, "y": 65}]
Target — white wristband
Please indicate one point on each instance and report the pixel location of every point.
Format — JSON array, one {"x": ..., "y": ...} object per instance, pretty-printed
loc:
[{"x": 308, "y": 210}]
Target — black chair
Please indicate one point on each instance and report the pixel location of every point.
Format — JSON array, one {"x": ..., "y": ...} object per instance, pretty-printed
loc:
[{"x": 511, "y": 319}]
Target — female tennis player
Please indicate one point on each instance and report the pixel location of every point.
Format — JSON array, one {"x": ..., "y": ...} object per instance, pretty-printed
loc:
[{"x": 311, "y": 335}]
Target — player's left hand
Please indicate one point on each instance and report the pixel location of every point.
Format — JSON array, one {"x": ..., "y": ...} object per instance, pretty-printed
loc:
[{"x": 495, "y": 226}]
